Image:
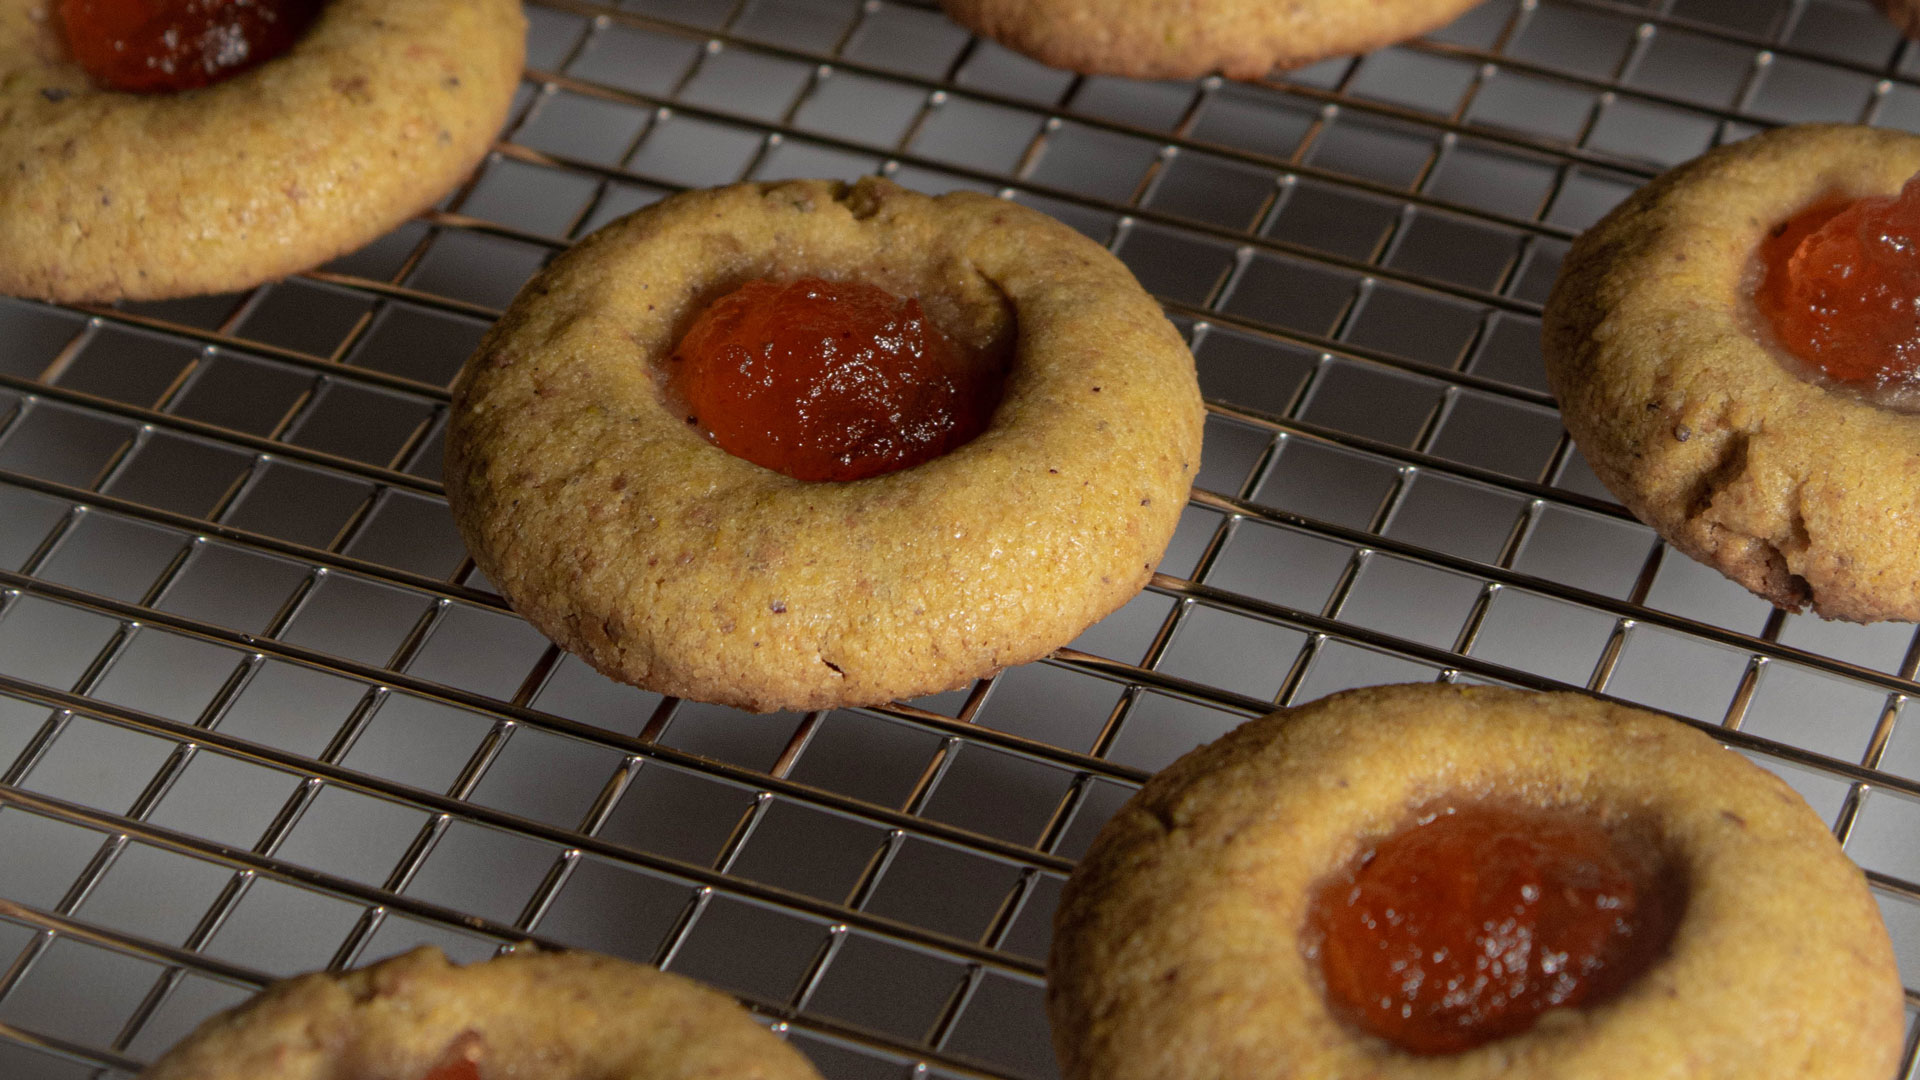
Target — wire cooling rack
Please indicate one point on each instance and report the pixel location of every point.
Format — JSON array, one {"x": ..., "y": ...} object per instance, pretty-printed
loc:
[{"x": 257, "y": 714}]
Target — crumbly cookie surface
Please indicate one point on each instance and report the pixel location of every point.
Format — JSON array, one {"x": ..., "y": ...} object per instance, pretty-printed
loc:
[
  {"x": 379, "y": 109},
  {"x": 1176, "y": 948},
  {"x": 668, "y": 563},
  {"x": 1802, "y": 493},
  {"x": 1165, "y": 39},
  {"x": 539, "y": 1016}
]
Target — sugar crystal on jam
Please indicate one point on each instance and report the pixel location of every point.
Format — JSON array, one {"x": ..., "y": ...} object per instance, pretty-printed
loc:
[
  {"x": 160, "y": 46},
  {"x": 1466, "y": 928},
  {"x": 1841, "y": 288},
  {"x": 828, "y": 380}
]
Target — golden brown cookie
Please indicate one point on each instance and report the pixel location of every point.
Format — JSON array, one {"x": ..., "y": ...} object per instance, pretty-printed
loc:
[
  {"x": 668, "y": 563},
  {"x": 379, "y": 109},
  {"x": 538, "y": 1016},
  {"x": 1803, "y": 493},
  {"x": 1181, "y": 39},
  {"x": 1178, "y": 950}
]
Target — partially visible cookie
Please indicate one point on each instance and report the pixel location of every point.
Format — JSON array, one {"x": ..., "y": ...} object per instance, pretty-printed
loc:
[
  {"x": 1180, "y": 948},
  {"x": 379, "y": 109},
  {"x": 1180, "y": 39},
  {"x": 1904, "y": 13},
  {"x": 538, "y": 1016},
  {"x": 1802, "y": 492},
  {"x": 612, "y": 525}
]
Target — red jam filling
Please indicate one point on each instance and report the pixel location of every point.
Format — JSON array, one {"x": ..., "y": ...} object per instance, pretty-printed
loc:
[
  {"x": 828, "y": 380},
  {"x": 1466, "y": 927},
  {"x": 159, "y": 46},
  {"x": 461, "y": 1069},
  {"x": 1841, "y": 288}
]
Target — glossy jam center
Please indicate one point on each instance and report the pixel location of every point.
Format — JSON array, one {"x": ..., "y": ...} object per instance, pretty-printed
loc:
[
  {"x": 828, "y": 380},
  {"x": 1841, "y": 288},
  {"x": 157, "y": 46},
  {"x": 460, "y": 1069},
  {"x": 1467, "y": 927}
]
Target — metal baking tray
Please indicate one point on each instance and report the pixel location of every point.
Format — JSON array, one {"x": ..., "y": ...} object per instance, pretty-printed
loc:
[{"x": 257, "y": 714}]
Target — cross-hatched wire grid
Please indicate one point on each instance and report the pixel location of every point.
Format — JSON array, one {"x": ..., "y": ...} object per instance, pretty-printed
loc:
[{"x": 258, "y": 714}]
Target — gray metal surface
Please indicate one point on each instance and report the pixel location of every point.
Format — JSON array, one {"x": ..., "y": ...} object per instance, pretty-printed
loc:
[{"x": 257, "y": 715}]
